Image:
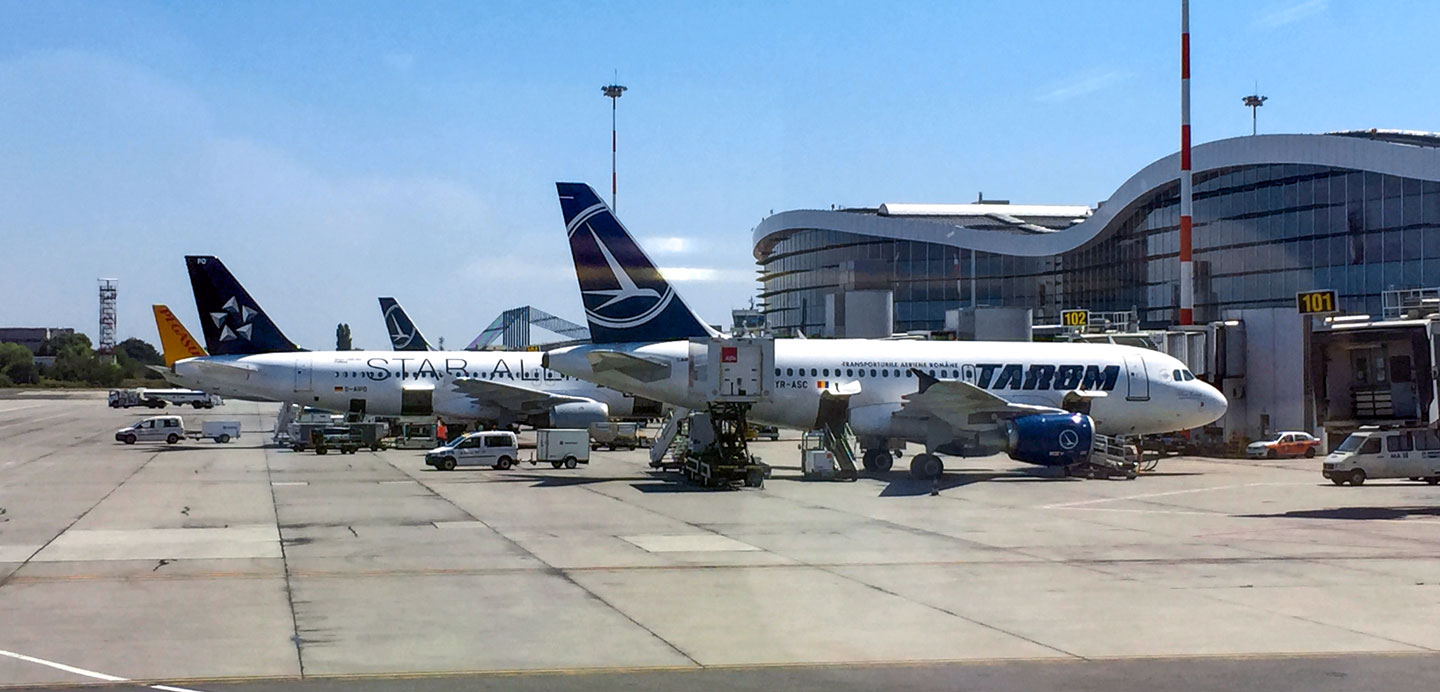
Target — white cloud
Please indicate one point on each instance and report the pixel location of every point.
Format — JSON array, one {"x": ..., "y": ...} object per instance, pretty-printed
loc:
[
  {"x": 1291, "y": 13},
  {"x": 668, "y": 245},
  {"x": 1081, "y": 84},
  {"x": 705, "y": 274}
]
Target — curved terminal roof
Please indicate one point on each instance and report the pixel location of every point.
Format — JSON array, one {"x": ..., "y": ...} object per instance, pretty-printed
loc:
[{"x": 1392, "y": 152}]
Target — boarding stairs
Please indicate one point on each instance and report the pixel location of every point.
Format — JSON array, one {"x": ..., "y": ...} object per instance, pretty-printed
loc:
[
  {"x": 837, "y": 442},
  {"x": 673, "y": 441},
  {"x": 281, "y": 434}
]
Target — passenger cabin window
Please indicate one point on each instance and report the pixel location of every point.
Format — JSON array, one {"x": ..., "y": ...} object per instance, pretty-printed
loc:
[
  {"x": 789, "y": 372},
  {"x": 1371, "y": 446}
]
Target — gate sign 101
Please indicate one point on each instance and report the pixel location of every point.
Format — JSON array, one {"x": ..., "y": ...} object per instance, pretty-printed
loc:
[{"x": 1313, "y": 302}]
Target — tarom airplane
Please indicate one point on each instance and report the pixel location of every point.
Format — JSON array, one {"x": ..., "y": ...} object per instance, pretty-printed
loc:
[
  {"x": 1039, "y": 402},
  {"x": 404, "y": 335},
  {"x": 249, "y": 353}
]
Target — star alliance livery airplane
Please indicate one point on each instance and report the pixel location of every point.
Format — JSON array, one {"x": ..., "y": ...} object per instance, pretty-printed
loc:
[
  {"x": 404, "y": 336},
  {"x": 249, "y": 354},
  {"x": 1039, "y": 402}
]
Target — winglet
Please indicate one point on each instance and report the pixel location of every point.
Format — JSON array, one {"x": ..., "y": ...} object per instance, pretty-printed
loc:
[
  {"x": 626, "y": 298},
  {"x": 175, "y": 340},
  {"x": 231, "y": 320},
  {"x": 404, "y": 336}
]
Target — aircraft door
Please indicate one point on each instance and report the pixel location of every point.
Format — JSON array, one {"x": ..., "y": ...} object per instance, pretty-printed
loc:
[
  {"x": 302, "y": 374},
  {"x": 1137, "y": 380}
]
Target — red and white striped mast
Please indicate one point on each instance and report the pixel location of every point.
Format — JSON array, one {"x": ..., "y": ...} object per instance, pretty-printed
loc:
[{"x": 1187, "y": 268}]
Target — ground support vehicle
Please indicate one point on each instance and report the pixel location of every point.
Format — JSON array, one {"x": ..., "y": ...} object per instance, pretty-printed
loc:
[
  {"x": 497, "y": 448},
  {"x": 344, "y": 438},
  {"x": 171, "y": 430},
  {"x": 612, "y": 436},
  {"x": 562, "y": 447},
  {"x": 126, "y": 398},
  {"x": 1371, "y": 452},
  {"x": 816, "y": 462}
]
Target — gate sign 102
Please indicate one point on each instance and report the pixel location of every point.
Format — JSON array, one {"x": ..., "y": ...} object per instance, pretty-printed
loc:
[
  {"x": 1075, "y": 318},
  {"x": 1315, "y": 302}
]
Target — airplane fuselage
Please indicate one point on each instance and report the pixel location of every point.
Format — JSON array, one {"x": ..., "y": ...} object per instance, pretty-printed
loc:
[
  {"x": 1141, "y": 392},
  {"x": 390, "y": 383}
]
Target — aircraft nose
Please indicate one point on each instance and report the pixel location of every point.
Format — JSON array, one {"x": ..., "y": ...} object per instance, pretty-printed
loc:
[{"x": 1213, "y": 404}]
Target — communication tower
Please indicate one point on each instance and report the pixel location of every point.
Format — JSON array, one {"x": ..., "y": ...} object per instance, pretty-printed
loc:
[{"x": 106, "y": 345}]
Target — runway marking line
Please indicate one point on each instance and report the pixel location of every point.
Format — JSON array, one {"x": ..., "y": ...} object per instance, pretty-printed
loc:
[
  {"x": 1146, "y": 496},
  {"x": 87, "y": 673}
]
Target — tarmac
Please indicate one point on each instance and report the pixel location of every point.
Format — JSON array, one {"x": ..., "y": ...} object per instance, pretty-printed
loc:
[{"x": 244, "y": 566}]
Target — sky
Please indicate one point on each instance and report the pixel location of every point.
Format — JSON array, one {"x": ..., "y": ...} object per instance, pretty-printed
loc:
[{"x": 333, "y": 152}]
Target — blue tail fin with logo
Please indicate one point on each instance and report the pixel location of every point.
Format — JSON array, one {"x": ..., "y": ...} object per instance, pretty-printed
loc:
[
  {"x": 403, "y": 334},
  {"x": 232, "y": 321},
  {"x": 626, "y": 299}
]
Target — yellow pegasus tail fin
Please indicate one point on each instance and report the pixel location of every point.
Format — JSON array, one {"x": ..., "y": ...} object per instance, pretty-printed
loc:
[{"x": 175, "y": 340}]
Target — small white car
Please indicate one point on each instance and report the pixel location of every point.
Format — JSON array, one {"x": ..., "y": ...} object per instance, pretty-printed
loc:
[
  {"x": 495, "y": 448},
  {"x": 1372, "y": 452},
  {"x": 170, "y": 429}
]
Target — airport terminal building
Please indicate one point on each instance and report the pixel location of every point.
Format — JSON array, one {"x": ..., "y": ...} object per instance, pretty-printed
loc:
[{"x": 1358, "y": 212}]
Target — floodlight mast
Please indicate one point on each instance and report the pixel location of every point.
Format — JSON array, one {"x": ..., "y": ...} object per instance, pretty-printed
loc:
[
  {"x": 613, "y": 92},
  {"x": 1254, "y": 102}
]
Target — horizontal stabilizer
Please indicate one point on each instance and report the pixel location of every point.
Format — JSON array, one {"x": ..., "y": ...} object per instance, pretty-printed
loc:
[{"x": 633, "y": 366}]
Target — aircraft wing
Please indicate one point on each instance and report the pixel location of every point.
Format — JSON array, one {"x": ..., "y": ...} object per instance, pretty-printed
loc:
[
  {"x": 956, "y": 402},
  {"x": 511, "y": 397},
  {"x": 637, "y": 367}
]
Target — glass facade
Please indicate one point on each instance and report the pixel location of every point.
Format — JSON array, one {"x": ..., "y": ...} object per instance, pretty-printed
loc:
[{"x": 1262, "y": 234}]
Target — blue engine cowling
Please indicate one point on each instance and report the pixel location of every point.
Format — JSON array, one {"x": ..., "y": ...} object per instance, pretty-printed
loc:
[{"x": 1050, "y": 439}]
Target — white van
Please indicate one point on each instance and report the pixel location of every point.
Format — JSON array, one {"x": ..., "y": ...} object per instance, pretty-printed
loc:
[
  {"x": 1373, "y": 452},
  {"x": 156, "y": 429},
  {"x": 496, "y": 448}
]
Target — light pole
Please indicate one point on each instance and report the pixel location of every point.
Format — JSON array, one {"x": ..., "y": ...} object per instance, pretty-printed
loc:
[
  {"x": 1254, "y": 102},
  {"x": 612, "y": 92}
]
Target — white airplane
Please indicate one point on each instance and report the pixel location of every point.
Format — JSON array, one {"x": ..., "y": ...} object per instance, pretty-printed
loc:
[
  {"x": 249, "y": 354},
  {"x": 1040, "y": 402}
]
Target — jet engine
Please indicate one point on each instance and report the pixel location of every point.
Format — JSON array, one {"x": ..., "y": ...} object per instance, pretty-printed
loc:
[
  {"x": 579, "y": 414},
  {"x": 1050, "y": 439}
]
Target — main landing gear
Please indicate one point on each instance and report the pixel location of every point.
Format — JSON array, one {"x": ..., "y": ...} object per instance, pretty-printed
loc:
[
  {"x": 878, "y": 460},
  {"x": 926, "y": 467}
]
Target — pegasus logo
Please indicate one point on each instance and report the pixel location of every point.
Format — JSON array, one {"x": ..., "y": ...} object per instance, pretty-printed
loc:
[
  {"x": 398, "y": 338},
  {"x": 183, "y": 335},
  {"x": 628, "y": 305},
  {"x": 244, "y": 315}
]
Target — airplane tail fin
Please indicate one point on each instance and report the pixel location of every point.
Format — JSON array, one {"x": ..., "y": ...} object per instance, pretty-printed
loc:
[
  {"x": 626, "y": 299},
  {"x": 175, "y": 340},
  {"x": 403, "y": 334},
  {"x": 231, "y": 320}
]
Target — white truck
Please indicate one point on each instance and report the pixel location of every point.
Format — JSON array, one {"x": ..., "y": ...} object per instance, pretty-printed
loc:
[
  {"x": 171, "y": 429},
  {"x": 562, "y": 447},
  {"x": 160, "y": 398},
  {"x": 1411, "y": 452},
  {"x": 497, "y": 448}
]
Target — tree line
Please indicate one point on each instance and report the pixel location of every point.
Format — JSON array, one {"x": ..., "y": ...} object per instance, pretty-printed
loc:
[{"x": 77, "y": 363}]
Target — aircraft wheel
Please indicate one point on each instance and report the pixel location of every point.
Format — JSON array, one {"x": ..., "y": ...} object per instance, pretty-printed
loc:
[
  {"x": 926, "y": 467},
  {"x": 868, "y": 460},
  {"x": 884, "y": 462}
]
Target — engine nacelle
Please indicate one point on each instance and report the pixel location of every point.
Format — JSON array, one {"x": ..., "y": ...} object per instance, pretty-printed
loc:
[
  {"x": 578, "y": 415},
  {"x": 1050, "y": 439}
]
